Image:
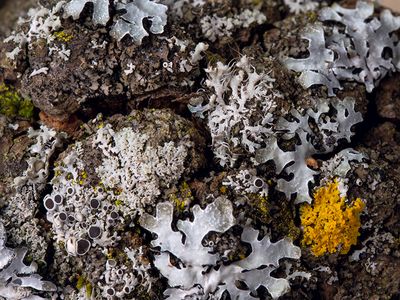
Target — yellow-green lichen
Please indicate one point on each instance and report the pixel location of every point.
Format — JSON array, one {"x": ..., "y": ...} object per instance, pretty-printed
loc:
[
  {"x": 89, "y": 289},
  {"x": 283, "y": 220},
  {"x": 82, "y": 177},
  {"x": 81, "y": 283},
  {"x": 62, "y": 36},
  {"x": 117, "y": 191},
  {"x": 13, "y": 105},
  {"x": 312, "y": 16},
  {"x": 290, "y": 229},
  {"x": 260, "y": 204},
  {"x": 182, "y": 198}
]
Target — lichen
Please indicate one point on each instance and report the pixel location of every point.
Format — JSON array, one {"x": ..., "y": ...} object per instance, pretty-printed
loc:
[
  {"x": 100, "y": 10},
  {"x": 81, "y": 282},
  {"x": 62, "y": 36},
  {"x": 131, "y": 23},
  {"x": 129, "y": 162},
  {"x": 330, "y": 225},
  {"x": 215, "y": 27},
  {"x": 239, "y": 110},
  {"x": 353, "y": 51},
  {"x": 47, "y": 141},
  {"x": 193, "y": 278},
  {"x": 301, "y": 6},
  {"x": 18, "y": 280},
  {"x": 77, "y": 209},
  {"x": 261, "y": 206},
  {"x": 181, "y": 198},
  {"x": 332, "y": 130},
  {"x": 41, "y": 22}
]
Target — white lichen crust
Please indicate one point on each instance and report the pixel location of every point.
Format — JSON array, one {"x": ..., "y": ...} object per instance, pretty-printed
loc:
[
  {"x": 139, "y": 169},
  {"x": 215, "y": 27}
]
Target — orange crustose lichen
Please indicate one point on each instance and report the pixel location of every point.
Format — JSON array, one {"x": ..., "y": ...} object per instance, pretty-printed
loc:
[{"x": 329, "y": 224}]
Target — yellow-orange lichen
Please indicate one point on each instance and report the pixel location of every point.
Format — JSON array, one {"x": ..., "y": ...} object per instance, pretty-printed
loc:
[{"x": 329, "y": 224}]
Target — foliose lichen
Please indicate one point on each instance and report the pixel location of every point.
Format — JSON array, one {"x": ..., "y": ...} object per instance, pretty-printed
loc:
[
  {"x": 356, "y": 49},
  {"x": 294, "y": 162},
  {"x": 192, "y": 276},
  {"x": 130, "y": 23}
]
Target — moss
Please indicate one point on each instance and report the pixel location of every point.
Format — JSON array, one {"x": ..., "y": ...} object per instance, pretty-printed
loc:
[
  {"x": 330, "y": 225},
  {"x": 62, "y": 36},
  {"x": 13, "y": 105}
]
